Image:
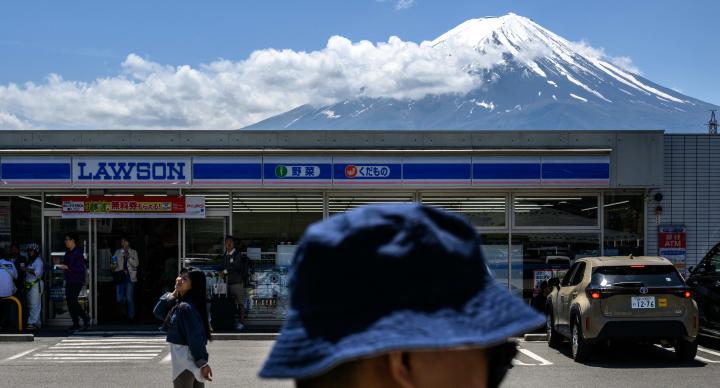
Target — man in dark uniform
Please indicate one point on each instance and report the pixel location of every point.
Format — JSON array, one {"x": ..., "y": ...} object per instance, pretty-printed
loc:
[{"x": 236, "y": 274}]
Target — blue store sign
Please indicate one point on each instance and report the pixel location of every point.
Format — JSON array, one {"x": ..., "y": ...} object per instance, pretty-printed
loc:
[
  {"x": 301, "y": 171},
  {"x": 131, "y": 170}
]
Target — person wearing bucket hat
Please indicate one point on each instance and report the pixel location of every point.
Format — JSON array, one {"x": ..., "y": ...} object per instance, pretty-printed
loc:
[{"x": 396, "y": 296}]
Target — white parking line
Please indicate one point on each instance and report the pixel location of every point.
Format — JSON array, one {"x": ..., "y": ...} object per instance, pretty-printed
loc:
[
  {"x": 22, "y": 354},
  {"x": 705, "y": 350},
  {"x": 699, "y": 358},
  {"x": 703, "y": 359},
  {"x": 535, "y": 357}
]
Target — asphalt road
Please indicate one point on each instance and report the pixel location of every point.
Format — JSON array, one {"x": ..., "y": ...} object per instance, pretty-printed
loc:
[{"x": 143, "y": 362}]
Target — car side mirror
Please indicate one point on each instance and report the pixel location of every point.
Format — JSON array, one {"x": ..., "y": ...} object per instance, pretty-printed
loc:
[
  {"x": 554, "y": 282},
  {"x": 690, "y": 269}
]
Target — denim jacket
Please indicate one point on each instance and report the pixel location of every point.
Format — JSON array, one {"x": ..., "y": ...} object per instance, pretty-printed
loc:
[{"x": 184, "y": 327}]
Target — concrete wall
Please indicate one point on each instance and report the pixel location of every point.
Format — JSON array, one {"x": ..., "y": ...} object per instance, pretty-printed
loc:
[{"x": 691, "y": 193}]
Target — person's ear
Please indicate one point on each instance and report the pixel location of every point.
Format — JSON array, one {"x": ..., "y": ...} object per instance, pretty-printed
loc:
[{"x": 401, "y": 370}]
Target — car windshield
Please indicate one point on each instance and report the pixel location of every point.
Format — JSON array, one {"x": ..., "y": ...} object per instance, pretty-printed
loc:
[{"x": 636, "y": 275}]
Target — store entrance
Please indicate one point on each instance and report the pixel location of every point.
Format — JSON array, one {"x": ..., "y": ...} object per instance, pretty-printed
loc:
[{"x": 156, "y": 243}]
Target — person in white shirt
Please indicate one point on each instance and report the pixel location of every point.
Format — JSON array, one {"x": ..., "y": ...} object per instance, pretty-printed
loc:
[
  {"x": 8, "y": 274},
  {"x": 34, "y": 285}
]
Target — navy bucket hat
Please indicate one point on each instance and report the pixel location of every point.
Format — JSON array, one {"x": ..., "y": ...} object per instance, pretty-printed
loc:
[{"x": 387, "y": 278}]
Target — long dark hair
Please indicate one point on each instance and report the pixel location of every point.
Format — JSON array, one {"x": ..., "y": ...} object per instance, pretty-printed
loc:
[{"x": 197, "y": 297}]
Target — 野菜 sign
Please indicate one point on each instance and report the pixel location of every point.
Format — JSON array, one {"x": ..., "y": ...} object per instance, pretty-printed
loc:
[{"x": 135, "y": 206}]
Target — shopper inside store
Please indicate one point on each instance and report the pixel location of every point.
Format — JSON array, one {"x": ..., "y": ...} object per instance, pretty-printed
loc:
[
  {"x": 8, "y": 309},
  {"x": 124, "y": 264}
]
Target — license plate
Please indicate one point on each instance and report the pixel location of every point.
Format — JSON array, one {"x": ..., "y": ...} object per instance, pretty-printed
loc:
[{"x": 642, "y": 302}]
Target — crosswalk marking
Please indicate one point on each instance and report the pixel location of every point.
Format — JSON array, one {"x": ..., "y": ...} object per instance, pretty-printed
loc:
[
  {"x": 22, "y": 354},
  {"x": 101, "y": 350}
]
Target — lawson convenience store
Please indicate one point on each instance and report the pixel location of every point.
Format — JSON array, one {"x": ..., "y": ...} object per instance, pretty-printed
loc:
[{"x": 539, "y": 199}]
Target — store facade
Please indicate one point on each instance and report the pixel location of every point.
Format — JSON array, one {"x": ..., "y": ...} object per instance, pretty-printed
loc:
[{"x": 540, "y": 200}]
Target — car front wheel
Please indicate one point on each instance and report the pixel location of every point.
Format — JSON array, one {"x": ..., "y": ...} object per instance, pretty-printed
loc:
[
  {"x": 580, "y": 348},
  {"x": 686, "y": 350}
]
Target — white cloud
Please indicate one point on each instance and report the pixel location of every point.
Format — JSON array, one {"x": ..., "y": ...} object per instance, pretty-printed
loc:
[
  {"x": 400, "y": 4},
  {"x": 404, "y": 4},
  {"x": 623, "y": 62},
  {"x": 231, "y": 94},
  {"x": 10, "y": 121}
]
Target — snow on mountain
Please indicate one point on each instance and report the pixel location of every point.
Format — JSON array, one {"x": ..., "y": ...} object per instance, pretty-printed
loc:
[{"x": 539, "y": 81}]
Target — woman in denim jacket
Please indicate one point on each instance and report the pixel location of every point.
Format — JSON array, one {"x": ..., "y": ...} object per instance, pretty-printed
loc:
[{"x": 185, "y": 318}]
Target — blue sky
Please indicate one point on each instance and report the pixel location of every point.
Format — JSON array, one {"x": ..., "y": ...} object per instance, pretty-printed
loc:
[{"x": 673, "y": 43}]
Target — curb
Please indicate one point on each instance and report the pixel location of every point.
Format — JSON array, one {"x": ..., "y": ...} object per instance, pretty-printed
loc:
[
  {"x": 17, "y": 338},
  {"x": 99, "y": 333},
  {"x": 215, "y": 336},
  {"x": 535, "y": 337},
  {"x": 245, "y": 336}
]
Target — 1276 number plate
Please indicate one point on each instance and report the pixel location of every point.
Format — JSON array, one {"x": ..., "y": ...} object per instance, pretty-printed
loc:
[{"x": 642, "y": 302}]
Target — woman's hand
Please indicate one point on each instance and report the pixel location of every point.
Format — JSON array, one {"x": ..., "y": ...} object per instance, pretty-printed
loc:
[{"x": 206, "y": 372}]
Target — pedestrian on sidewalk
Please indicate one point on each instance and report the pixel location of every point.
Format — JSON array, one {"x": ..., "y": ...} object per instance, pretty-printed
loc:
[
  {"x": 74, "y": 267},
  {"x": 124, "y": 265},
  {"x": 34, "y": 285},
  {"x": 396, "y": 296},
  {"x": 185, "y": 319}
]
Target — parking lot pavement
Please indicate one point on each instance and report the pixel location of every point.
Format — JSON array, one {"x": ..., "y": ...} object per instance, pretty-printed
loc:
[
  {"x": 144, "y": 362},
  {"x": 617, "y": 366}
]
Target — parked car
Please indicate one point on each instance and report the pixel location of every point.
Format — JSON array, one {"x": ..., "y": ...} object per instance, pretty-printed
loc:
[
  {"x": 704, "y": 280},
  {"x": 637, "y": 299}
]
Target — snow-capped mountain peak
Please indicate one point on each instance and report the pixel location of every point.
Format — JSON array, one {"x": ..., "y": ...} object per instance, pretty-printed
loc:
[{"x": 531, "y": 77}]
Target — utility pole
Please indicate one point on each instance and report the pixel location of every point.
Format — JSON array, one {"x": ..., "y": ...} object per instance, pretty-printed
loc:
[{"x": 712, "y": 124}]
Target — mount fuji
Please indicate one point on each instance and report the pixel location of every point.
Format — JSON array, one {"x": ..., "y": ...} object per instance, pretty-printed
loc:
[{"x": 539, "y": 81}]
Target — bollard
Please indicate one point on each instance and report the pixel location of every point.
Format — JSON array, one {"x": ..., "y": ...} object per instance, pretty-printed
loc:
[{"x": 19, "y": 307}]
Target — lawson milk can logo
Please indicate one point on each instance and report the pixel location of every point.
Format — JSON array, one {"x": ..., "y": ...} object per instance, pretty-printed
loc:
[
  {"x": 358, "y": 171},
  {"x": 130, "y": 170},
  {"x": 283, "y": 171}
]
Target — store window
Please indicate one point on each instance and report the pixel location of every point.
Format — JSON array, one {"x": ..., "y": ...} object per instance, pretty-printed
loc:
[
  {"x": 494, "y": 247},
  {"x": 20, "y": 221},
  {"x": 479, "y": 211},
  {"x": 624, "y": 225},
  {"x": 556, "y": 211},
  {"x": 538, "y": 257},
  {"x": 340, "y": 202},
  {"x": 268, "y": 228}
]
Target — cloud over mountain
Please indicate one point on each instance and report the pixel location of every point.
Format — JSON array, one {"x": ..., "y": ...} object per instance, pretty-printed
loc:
[{"x": 231, "y": 94}]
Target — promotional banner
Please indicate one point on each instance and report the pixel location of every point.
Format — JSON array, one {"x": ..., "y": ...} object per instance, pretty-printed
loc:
[
  {"x": 672, "y": 244},
  {"x": 133, "y": 207}
]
